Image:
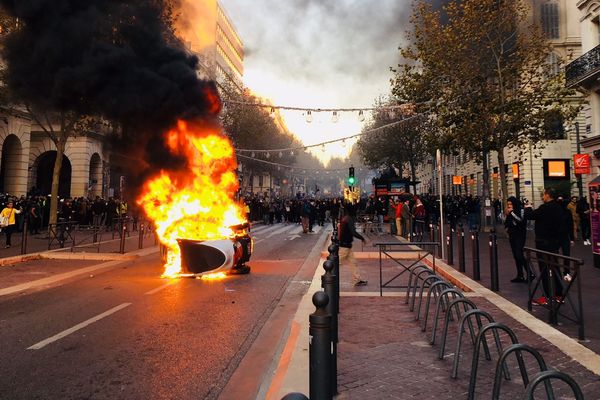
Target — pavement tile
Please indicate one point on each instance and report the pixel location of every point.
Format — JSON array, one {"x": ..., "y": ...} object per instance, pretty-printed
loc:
[{"x": 382, "y": 353}]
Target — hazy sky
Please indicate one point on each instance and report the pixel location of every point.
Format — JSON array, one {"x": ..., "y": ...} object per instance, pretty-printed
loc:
[{"x": 320, "y": 54}]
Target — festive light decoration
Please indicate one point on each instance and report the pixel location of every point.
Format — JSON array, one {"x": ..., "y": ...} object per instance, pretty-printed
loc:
[
  {"x": 406, "y": 108},
  {"x": 305, "y": 171}
]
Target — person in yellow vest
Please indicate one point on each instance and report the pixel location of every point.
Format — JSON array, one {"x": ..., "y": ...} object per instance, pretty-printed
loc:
[
  {"x": 123, "y": 209},
  {"x": 7, "y": 221}
]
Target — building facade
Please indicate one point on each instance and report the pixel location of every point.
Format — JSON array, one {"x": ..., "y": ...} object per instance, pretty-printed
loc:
[
  {"x": 584, "y": 75},
  {"x": 89, "y": 168},
  {"x": 528, "y": 170}
]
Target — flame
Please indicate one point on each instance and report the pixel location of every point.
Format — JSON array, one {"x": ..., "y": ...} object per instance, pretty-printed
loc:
[{"x": 197, "y": 202}]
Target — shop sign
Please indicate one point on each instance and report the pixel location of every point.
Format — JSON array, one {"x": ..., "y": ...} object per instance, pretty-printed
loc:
[{"x": 582, "y": 163}]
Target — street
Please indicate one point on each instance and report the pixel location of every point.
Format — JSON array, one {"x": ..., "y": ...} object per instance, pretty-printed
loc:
[{"x": 123, "y": 332}]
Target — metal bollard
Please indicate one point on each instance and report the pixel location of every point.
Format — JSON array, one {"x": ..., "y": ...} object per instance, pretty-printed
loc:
[
  {"x": 439, "y": 239},
  {"x": 494, "y": 261},
  {"x": 24, "y": 238},
  {"x": 320, "y": 346},
  {"x": 460, "y": 234},
  {"x": 450, "y": 248},
  {"x": 141, "y": 236},
  {"x": 328, "y": 281},
  {"x": 431, "y": 233},
  {"x": 475, "y": 254},
  {"x": 334, "y": 255},
  {"x": 122, "y": 243},
  {"x": 294, "y": 396}
]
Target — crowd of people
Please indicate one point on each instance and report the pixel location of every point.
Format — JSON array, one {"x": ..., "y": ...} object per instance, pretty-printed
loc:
[{"x": 34, "y": 213}]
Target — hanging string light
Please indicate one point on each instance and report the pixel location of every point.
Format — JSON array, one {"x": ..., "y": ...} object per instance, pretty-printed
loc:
[
  {"x": 335, "y": 117},
  {"x": 281, "y": 154},
  {"x": 267, "y": 154},
  {"x": 309, "y": 117},
  {"x": 361, "y": 116}
]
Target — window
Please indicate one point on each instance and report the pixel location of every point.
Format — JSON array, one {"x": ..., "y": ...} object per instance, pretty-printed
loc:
[
  {"x": 554, "y": 64},
  {"x": 553, "y": 126},
  {"x": 550, "y": 20}
]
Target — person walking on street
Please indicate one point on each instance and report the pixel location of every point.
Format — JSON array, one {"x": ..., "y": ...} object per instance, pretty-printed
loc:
[
  {"x": 399, "y": 207},
  {"x": 347, "y": 233},
  {"x": 516, "y": 227},
  {"x": 419, "y": 213},
  {"x": 406, "y": 218},
  {"x": 8, "y": 216},
  {"x": 572, "y": 207},
  {"x": 583, "y": 211},
  {"x": 549, "y": 224}
]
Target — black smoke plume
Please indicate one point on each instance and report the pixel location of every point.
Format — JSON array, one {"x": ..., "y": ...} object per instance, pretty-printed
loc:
[{"x": 113, "y": 58}]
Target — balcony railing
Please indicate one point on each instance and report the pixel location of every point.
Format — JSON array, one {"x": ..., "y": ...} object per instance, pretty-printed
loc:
[{"x": 583, "y": 68}]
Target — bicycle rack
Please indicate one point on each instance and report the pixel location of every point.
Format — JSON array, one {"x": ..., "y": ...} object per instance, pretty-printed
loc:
[
  {"x": 414, "y": 288},
  {"x": 518, "y": 349},
  {"x": 461, "y": 326},
  {"x": 443, "y": 299},
  {"x": 552, "y": 374},
  {"x": 436, "y": 291},
  {"x": 455, "y": 303},
  {"x": 428, "y": 281},
  {"x": 414, "y": 273},
  {"x": 494, "y": 327}
]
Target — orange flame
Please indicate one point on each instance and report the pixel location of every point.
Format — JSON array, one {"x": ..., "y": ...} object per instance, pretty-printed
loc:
[{"x": 196, "y": 203}]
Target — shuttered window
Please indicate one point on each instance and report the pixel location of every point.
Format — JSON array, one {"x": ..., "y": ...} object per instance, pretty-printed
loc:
[{"x": 550, "y": 20}]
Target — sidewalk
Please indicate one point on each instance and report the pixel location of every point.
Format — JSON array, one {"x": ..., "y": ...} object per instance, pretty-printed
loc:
[{"x": 383, "y": 354}]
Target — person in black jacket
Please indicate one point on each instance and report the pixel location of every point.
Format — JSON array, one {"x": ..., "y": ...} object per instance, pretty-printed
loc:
[
  {"x": 347, "y": 233},
  {"x": 549, "y": 227},
  {"x": 516, "y": 227}
]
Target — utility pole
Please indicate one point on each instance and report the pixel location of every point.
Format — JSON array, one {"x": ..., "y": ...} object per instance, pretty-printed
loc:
[{"x": 579, "y": 178}]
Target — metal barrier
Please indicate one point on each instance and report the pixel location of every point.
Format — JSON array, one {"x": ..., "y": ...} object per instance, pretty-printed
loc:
[
  {"x": 87, "y": 232},
  {"x": 475, "y": 255},
  {"x": 427, "y": 282},
  {"x": 550, "y": 266},
  {"x": 386, "y": 248},
  {"x": 60, "y": 233},
  {"x": 427, "y": 272}
]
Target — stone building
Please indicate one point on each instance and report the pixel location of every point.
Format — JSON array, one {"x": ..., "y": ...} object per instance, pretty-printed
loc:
[
  {"x": 528, "y": 170},
  {"x": 89, "y": 167}
]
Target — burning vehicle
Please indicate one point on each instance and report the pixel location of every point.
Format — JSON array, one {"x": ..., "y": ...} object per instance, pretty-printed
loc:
[
  {"x": 199, "y": 222},
  {"x": 225, "y": 256}
]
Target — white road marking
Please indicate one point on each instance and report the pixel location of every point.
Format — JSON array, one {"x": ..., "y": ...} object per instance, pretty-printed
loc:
[
  {"x": 158, "y": 289},
  {"x": 77, "y": 327},
  {"x": 280, "y": 231}
]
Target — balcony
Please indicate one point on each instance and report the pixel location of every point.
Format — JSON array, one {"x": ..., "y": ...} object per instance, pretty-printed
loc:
[{"x": 584, "y": 68}]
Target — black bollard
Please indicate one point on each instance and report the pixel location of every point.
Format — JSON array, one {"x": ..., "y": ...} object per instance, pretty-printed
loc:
[
  {"x": 320, "y": 346},
  {"x": 334, "y": 256},
  {"x": 431, "y": 233},
  {"x": 450, "y": 248},
  {"x": 24, "y": 238},
  {"x": 122, "y": 243},
  {"x": 294, "y": 396},
  {"x": 494, "y": 261},
  {"x": 460, "y": 234},
  {"x": 328, "y": 285},
  {"x": 475, "y": 253},
  {"x": 141, "y": 237}
]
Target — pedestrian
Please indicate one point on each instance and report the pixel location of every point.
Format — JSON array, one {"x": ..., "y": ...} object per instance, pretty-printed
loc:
[
  {"x": 391, "y": 215},
  {"x": 399, "y": 207},
  {"x": 549, "y": 224},
  {"x": 419, "y": 214},
  {"x": 347, "y": 233},
  {"x": 8, "y": 221},
  {"x": 583, "y": 211},
  {"x": 572, "y": 207},
  {"x": 406, "y": 220},
  {"x": 516, "y": 228}
]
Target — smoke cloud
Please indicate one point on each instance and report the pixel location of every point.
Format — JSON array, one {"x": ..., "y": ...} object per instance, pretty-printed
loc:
[{"x": 113, "y": 58}]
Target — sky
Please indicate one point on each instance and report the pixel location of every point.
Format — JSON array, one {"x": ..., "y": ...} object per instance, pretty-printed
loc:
[{"x": 320, "y": 54}]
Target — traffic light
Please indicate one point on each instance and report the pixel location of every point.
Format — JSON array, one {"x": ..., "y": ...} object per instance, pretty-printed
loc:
[{"x": 351, "y": 178}]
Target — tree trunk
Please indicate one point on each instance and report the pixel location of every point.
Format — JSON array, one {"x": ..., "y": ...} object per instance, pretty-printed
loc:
[
  {"x": 60, "y": 149},
  {"x": 486, "y": 176},
  {"x": 502, "y": 176},
  {"x": 413, "y": 173}
]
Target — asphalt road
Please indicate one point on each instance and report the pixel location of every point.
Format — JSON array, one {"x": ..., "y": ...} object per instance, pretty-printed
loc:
[{"x": 125, "y": 333}]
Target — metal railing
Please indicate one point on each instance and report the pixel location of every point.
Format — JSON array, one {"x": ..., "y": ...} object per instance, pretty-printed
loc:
[
  {"x": 557, "y": 291},
  {"x": 583, "y": 67}
]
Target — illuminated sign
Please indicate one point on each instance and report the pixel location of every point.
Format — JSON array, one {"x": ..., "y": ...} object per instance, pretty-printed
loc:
[
  {"x": 557, "y": 169},
  {"x": 582, "y": 163}
]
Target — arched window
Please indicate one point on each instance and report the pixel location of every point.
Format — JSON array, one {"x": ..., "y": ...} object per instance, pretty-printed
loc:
[{"x": 550, "y": 20}]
